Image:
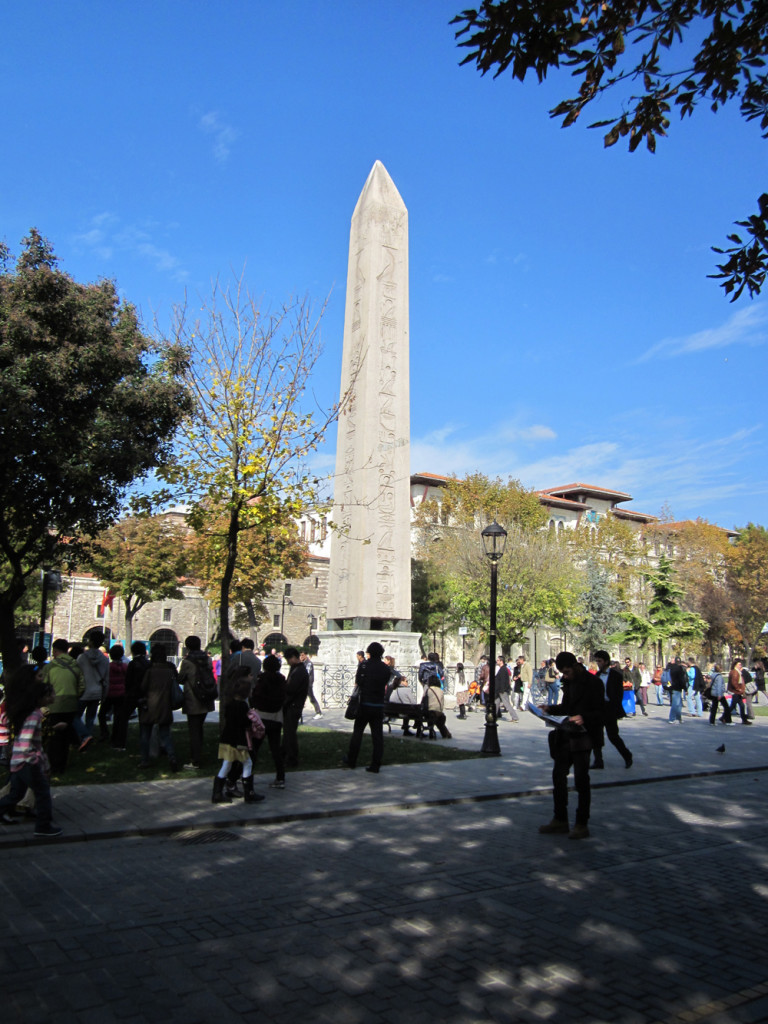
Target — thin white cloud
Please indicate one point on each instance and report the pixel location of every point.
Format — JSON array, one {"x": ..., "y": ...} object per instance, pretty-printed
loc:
[
  {"x": 686, "y": 475},
  {"x": 448, "y": 449},
  {"x": 223, "y": 134},
  {"x": 747, "y": 326},
  {"x": 105, "y": 236},
  {"x": 538, "y": 432}
]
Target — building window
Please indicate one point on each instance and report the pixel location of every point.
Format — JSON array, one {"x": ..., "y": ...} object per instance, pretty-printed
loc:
[
  {"x": 166, "y": 639},
  {"x": 166, "y": 614},
  {"x": 317, "y": 582},
  {"x": 275, "y": 620},
  {"x": 323, "y": 529},
  {"x": 97, "y": 613},
  {"x": 313, "y": 531},
  {"x": 287, "y": 590},
  {"x": 303, "y": 530}
]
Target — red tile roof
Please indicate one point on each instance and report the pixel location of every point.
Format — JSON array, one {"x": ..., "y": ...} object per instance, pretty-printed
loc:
[
  {"x": 587, "y": 489},
  {"x": 630, "y": 513}
]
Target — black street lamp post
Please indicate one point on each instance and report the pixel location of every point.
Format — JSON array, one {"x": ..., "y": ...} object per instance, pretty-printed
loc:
[
  {"x": 286, "y": 601},
  {"x": 494, "y": 539}
]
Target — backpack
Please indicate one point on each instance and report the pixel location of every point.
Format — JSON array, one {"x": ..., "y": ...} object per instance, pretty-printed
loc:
[
  {"x": 666, "y": 680},
  {"x": 427, "y": 670},
  {"x": 203, "y": 685}
]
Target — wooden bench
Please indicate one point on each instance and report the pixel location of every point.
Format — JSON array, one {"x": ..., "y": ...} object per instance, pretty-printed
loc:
[{"x": 396, "y": 712}]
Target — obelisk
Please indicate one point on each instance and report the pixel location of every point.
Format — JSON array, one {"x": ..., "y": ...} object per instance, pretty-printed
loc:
[{"x": 369, "y": 586}]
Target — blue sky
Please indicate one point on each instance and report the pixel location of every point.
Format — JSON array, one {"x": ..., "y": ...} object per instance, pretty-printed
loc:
[{"x": 562, "y": 324}]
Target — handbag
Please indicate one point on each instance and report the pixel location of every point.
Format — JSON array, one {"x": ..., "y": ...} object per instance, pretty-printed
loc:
[
  {"x": 353, "y": 704},
  {"x": 177, "y": 695},
  {"x": 255, "y": 730}
]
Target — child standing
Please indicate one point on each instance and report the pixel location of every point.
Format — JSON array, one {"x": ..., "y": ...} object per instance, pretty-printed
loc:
[
  {"x": 26, "y": 695},
  {"x": 233, "y": 743}
]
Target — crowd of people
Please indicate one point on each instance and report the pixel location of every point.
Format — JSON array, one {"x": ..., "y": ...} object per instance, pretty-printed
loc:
[{"x": 51, "y": 707}]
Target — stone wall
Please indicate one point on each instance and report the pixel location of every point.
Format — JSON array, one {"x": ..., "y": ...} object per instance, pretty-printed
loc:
[{"x": 77, "y": 610}]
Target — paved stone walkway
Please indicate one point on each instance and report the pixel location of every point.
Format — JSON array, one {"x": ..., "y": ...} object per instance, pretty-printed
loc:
[{"x": 351, "y": 898}]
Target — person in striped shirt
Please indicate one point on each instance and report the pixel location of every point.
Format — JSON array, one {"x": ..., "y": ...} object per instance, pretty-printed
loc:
[{"x": 26, "y": 696}]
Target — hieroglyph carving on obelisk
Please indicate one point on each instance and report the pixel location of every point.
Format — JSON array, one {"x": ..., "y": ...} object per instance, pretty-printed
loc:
[{"x": 370, "y": 570}]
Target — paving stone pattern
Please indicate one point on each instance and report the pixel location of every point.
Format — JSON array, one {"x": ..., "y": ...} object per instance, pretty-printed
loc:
[{"x": 459, "y": 913}]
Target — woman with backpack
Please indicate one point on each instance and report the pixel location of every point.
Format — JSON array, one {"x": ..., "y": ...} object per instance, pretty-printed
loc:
[{"x": 199, "y": 688}]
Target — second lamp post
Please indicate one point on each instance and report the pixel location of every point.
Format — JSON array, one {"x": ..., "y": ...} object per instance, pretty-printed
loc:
[{"x": 494, "y": 539}]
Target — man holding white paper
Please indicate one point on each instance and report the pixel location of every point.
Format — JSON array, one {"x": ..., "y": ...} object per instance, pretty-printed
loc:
[{"x": 571, "y": 743}]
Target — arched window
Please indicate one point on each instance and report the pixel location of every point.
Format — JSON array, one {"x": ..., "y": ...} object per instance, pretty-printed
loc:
[
  {"x": 106, "y": 633},
  {"x": 167, "y": 639},
  {"x": 276, "y": 640}
]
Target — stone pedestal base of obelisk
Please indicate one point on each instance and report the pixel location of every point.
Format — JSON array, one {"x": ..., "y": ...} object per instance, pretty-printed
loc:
[{"x": 337, "y": 658}]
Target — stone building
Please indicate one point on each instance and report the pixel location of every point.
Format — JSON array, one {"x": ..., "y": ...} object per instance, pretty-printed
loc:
[
  {"x": 83, "y": 605},
  {"x": 297, "y": 608}
]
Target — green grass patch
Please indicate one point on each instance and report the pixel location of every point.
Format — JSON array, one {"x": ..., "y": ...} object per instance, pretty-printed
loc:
[{"x": 319, "y": 749}]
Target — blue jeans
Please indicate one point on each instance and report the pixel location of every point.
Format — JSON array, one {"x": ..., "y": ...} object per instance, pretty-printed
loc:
[
  {"x": 90, "y": 708},
  {"x": 694, "y": 703},
  {"x": 30, "y": 776},
  {"x": 553, "y": 693},
  {"x": 145, "y": 734},
  {"x": 676, "y": 709},
  {"x": 659, "y": 694}
]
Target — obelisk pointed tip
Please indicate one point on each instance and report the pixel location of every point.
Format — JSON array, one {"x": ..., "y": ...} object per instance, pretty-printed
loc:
[{"x": 380, "y": 188}]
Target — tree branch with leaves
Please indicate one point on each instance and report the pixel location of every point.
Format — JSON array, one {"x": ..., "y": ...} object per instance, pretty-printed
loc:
[
  {"x": 639, "y": 52},
  {"x": 243, "y": 453}
]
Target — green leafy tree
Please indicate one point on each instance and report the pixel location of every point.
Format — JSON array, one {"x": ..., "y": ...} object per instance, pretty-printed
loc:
[
  {"x": 431, "y": 610},
  {"x": 242, "y": 454},
  {"x": 537, "y": 579},
  {"x": 140, "y": 559},
  {"x": 700, "y": 560},
  {"x": 666, "y": 619},
  {"x": 88, "y": 404},
  {"x": 747, "y": 567},
  {"x": 631, "y": 48},
  {"x": 598, "y": 616},
  {"x": 616, "y": 546}
]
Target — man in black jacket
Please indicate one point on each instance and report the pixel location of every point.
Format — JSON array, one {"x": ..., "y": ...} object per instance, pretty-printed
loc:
[
  {"x": 613, "y": 693},
  {"x": 371, "y": 679},
  {"x": 570, "y": 744},
  {"x": 296, "y": 690}
]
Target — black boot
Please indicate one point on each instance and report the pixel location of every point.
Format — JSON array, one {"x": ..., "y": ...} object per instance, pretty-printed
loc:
[
  {"x": 248, "y": 795},
  {"x": 219, "y": 796}
]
